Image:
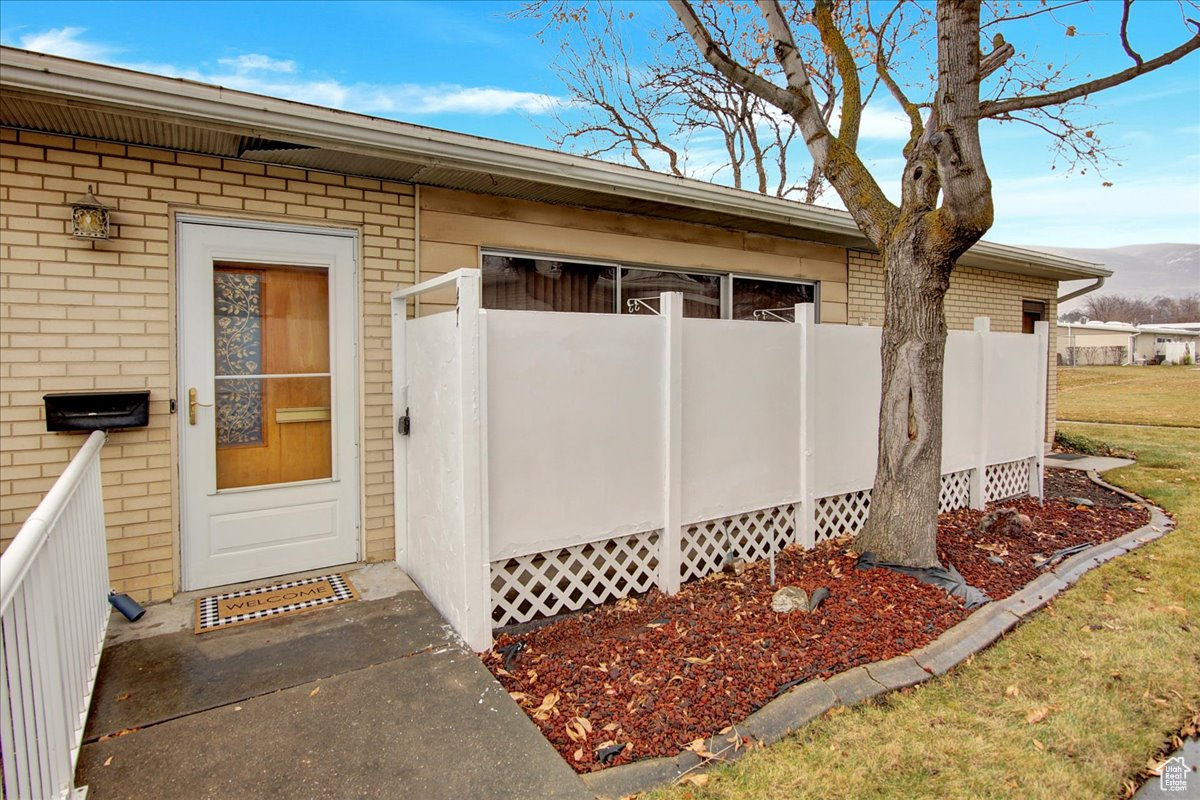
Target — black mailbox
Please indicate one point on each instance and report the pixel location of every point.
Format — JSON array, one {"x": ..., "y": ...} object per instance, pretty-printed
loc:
[{"x": 97, "y": 411}]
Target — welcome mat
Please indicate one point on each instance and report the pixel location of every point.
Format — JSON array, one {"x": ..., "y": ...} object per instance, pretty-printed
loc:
[{"x": 267, "y": 602}]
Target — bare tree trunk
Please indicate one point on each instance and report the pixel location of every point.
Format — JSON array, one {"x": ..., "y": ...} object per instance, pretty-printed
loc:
[{"x": 902, "y": 526}]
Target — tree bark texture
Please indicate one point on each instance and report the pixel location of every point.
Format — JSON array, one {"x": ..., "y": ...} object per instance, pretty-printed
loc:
[{"x": 902, "y": 527}]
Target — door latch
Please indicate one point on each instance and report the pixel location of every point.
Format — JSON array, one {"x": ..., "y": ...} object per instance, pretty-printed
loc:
[
  {"x": 192, "y": 404},
  {"x": 404, "y": 424}
]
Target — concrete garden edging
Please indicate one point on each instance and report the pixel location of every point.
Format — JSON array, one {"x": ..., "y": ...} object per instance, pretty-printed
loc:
[{"x": 801, "y": 705}]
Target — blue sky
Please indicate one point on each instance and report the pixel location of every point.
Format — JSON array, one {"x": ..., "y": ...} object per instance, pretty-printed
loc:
[{"x": 469, "y": 67}]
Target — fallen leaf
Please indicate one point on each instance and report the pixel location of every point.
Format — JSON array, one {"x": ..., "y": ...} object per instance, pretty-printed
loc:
[
  {"x": 108, "y": 761},
  {"x": 695, "y": 660},
  {"x": 520, "y": 697},
  {"x": 118, "y": 734},
  {"x": 1175, "y": 609},
  {"x": 1140, "y": 590},
  {"x": 547, "y": 707},
  {"x": 313, "y": 693},
  {"x": 700, "y": 748},
  {"x": 1037, "y": 715},
  {"x": 579, "y": 754},
  {"x": 1012, "y": 691},
  {"x": 695, "y": 779},
  {"x": 1038, "y": 745},
  {"x": 1109, "y": 601},
  {"x": 121, "y": 698},
  {"x": 610, "y": 727}
]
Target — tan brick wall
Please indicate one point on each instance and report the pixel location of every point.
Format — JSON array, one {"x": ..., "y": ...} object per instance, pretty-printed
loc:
[
  {"x": 973, "y": 293},
  {"x": 76, "y": 315}
]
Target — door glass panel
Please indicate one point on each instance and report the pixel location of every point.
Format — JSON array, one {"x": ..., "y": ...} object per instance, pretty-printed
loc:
[
  {"x": 272, "y": 403},
  {"x": 701, "y": 293}
]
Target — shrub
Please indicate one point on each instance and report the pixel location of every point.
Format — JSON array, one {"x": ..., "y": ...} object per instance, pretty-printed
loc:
[{"x": 1075, "y": 443}]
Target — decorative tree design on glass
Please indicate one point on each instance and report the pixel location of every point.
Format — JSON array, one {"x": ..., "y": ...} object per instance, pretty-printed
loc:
[{"x": 237, "y": 304}]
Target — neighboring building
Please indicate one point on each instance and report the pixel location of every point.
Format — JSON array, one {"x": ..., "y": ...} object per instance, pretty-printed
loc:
[
  {"x": 253, "y": 248},
  {"x": 1171, "y": 344},
  {"x": 1083, "y": 344},
  {"x": 1092, "y": 344}
]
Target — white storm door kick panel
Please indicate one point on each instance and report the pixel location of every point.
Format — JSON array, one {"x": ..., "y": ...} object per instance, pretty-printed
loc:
[{"x": 267, "y": 401}]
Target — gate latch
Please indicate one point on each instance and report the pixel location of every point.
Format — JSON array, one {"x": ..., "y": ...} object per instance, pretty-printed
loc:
[{"x": 403, "y": 425}]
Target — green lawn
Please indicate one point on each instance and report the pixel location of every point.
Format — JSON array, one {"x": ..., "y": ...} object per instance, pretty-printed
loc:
[
  {"x": 1132, "y": 395},
  {"x": 1114, "y": 664}
]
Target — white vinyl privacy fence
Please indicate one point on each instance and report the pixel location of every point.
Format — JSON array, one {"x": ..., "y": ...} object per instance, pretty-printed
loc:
[{"x": 550, "y": 461}]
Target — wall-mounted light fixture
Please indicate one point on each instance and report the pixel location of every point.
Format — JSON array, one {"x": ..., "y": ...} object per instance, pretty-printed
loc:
[{"x": 89, "y": 217}]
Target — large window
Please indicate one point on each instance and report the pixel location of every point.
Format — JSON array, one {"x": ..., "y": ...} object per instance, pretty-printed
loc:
[
  {"x": 701, "y": 292},
  {"x": 539, "y": 284},
  {"x": 758, "y": 298},
  {"x": 547, "y": 283}
]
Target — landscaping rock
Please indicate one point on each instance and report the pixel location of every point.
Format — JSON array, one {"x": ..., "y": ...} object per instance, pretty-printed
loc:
[
  {"x": 735, "y": 565},
  {"x": 789, "y": 599},
  {"x": 1005, "y": 522},
  {"x": 1081, "y": 501},
  {"x": 817, "y": 598},
  {"x": 997, "y": 560}
]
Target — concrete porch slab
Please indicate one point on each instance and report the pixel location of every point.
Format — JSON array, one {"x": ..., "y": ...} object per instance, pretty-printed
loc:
[
  {"x": 151, "y": 680},
  {"x": 371, "y": 699},
  {"x": 433, "y": 725}
]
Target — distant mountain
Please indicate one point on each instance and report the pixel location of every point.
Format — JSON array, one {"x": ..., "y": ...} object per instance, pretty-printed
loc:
[{"x": 1140, "y": 270}]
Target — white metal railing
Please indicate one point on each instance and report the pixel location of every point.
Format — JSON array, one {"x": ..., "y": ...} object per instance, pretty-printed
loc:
[{"x": 54, "y": 610}]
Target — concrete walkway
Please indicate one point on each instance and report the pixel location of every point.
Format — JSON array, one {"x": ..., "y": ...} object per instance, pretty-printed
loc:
[
  {"x": 372, "y": 699},
  {"x": 1082, "y": 462}
]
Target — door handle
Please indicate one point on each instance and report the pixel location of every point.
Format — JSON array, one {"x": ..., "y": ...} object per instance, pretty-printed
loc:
[{"x": 192, "y": 403}]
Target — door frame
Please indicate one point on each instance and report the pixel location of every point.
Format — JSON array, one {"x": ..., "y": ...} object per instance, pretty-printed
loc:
[{"x": 184, "y": 581}]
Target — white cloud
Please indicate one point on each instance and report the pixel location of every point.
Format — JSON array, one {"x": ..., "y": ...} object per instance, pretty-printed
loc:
[
  {"x": 1078, "y": 212},
  {"x": 64, "y": 42},
  {"x": 262, "y": 74},
  {"x": 256, "y": 62},
  {"x": 884, "y": 123}
]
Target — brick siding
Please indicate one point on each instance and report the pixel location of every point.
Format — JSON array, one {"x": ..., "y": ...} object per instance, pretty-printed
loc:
[{"x": 77, "y": 315}]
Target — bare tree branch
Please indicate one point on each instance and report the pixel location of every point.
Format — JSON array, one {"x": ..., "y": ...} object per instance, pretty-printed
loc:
[
  {"x": 1137, "y": 59},
  {"x": 723, "y": 63},
  {"x": 993, "y": 108}
]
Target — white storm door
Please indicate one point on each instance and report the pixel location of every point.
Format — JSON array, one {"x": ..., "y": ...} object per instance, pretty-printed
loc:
[{"x": 267, "y": 401}]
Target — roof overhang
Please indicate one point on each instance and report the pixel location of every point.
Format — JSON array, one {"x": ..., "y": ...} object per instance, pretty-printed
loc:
[{"x": 58, "y": 95}]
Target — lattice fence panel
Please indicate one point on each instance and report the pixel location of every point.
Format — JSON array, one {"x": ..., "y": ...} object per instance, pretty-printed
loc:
[
  {"x": 1002, "y": 481},
  {"x": 751, "y": 537},
  {"x": 553, "y": 582},
  {"x": 956, "y": 491},
  {"x": 840, "y": 514}
]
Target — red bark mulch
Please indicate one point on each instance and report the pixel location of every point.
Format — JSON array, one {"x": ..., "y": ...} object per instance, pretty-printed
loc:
[{"x": 657, "y": 673}]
